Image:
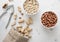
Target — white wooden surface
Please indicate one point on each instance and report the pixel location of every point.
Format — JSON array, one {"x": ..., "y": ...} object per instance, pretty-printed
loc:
[{"x": 39, "y": 34}]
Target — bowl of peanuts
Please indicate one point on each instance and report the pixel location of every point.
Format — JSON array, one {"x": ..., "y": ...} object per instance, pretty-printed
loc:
[
  {"x": 31, "y": 7},
  {"x": 49, "y": 19}
]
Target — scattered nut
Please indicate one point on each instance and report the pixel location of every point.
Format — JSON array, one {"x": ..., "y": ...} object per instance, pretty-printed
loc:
[
  {"x": 25, "y": 31},
  {"x": 19, "y": 9},
  {"x": 5, "y": 5},
  {"x": 26, "y": 27},
  {"x": 29, "y": 29},
  {"x": 29, "y": 21},
  {"x": 26, "y": 34},
  {"x": 19, "y": 26},
  {"x": 20, "y": 21},
  {"x": 22, "y": 30},
  {"x": 15, "y": 16}
]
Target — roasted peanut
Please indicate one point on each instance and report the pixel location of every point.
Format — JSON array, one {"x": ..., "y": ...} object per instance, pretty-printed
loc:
[
  {"x": 49, "y": 19},
  {"x": 20, "y": 20}
]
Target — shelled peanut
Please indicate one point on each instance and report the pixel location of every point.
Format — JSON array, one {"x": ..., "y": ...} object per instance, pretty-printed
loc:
[
  {"x": 29, "y": 21},
  {"x": 20, "y": 20}
]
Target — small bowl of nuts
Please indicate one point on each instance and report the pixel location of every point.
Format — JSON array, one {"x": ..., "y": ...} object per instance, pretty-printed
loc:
[
  {"x": 49, "y": 19},
  {"x": 31, "y": 7}
]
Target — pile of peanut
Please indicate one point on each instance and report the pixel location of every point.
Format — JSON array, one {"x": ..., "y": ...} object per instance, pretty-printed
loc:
[
  {"x": 25, "y": 31},
  {"x": 49, "y": 19},
  {"x": 31, "y": 6}
]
